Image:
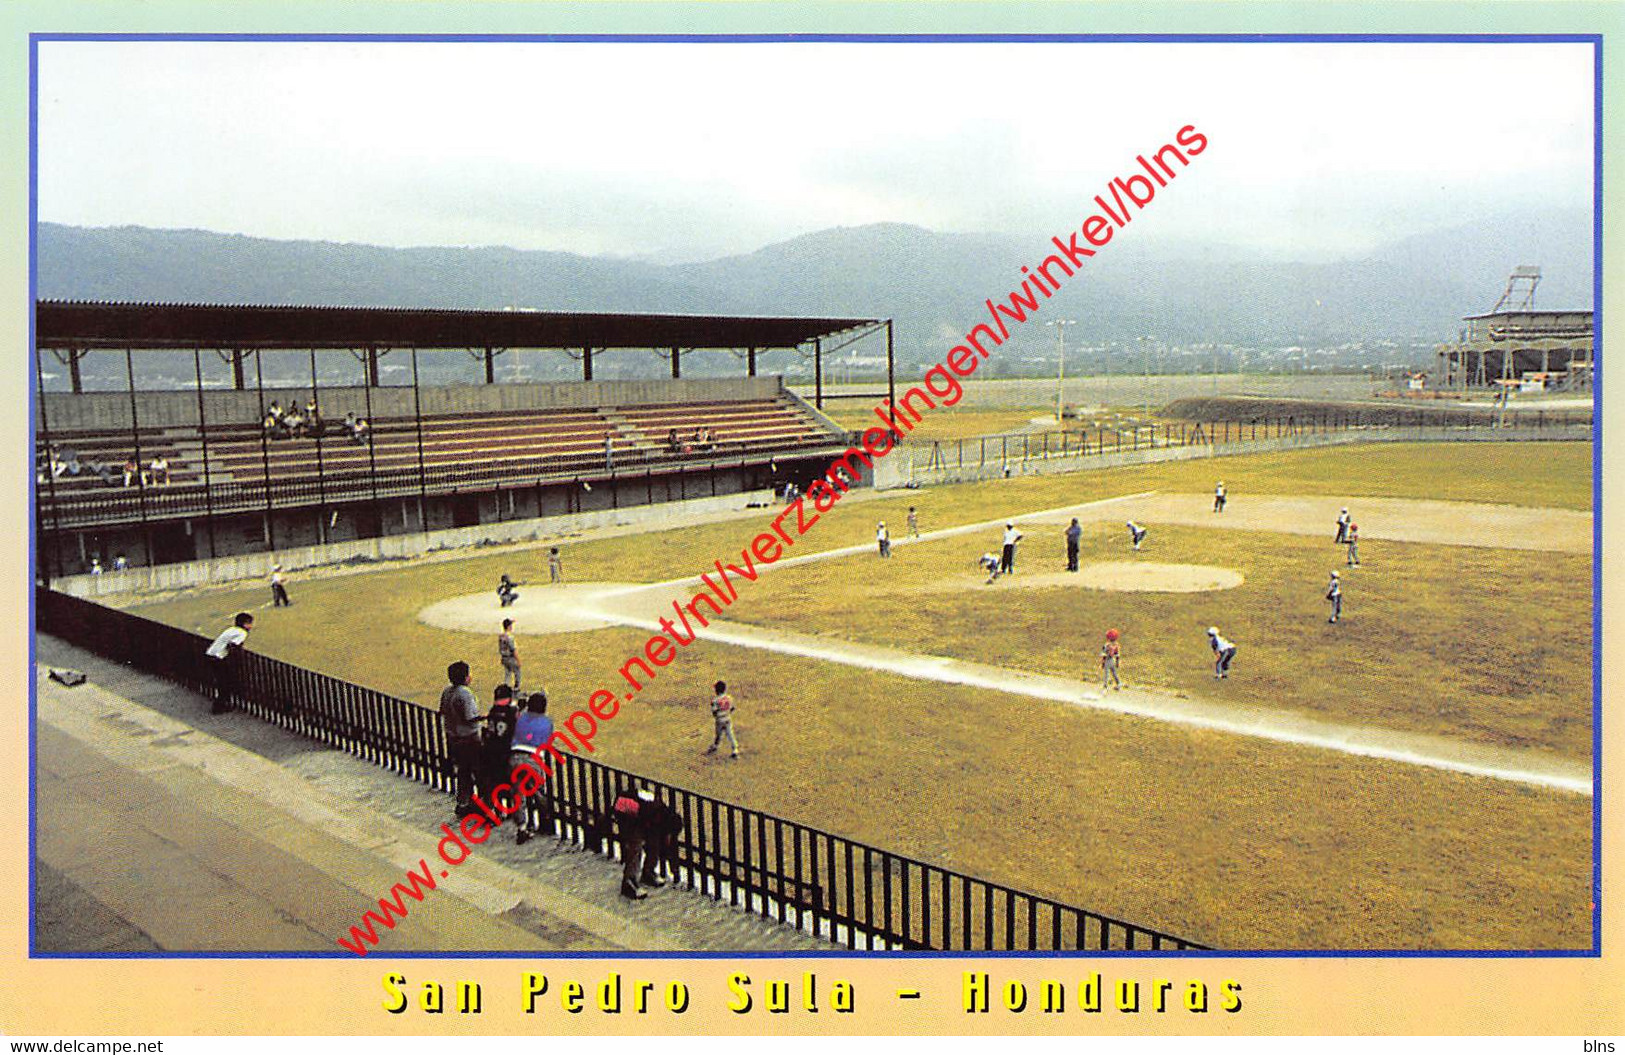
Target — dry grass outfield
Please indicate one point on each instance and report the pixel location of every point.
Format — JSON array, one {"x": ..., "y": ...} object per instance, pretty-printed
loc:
[
  {"x": 1476, "y": 644},
  {"x": 1228, "y": 840},
  {"x": 937, "y": 425}
]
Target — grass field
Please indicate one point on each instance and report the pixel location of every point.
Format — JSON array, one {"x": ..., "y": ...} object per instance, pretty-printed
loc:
[{"x": 1223, "y": 839}]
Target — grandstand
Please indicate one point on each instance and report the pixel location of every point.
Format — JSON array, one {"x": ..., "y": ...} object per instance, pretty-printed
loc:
[{"x": 438, "y": 456}]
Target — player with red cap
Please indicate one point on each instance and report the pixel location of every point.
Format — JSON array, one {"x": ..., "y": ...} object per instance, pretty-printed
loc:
[{"x": 1110, "y": 653}]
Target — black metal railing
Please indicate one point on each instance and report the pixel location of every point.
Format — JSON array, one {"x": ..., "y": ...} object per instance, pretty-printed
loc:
[{"x": 845, "y": 891}]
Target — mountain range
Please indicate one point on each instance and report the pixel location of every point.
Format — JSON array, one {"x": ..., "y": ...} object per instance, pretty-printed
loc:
[{"x": 933, "y": 284}]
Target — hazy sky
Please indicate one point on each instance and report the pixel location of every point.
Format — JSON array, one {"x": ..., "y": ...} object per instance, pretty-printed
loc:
[{"x": 687, "y": 151}]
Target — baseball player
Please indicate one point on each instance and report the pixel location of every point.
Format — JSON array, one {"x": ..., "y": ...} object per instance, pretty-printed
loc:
[
  {"x": 722, "y": 711},
  {"x": 1007, "y": 564},
  {"x": 1224, "y": 652},
  {"x": 1334, "y": 594},
  {"x": 990, "y": 564},
  {"x": 1342, "y": 528},
  {"x": 1218, "y": 498},
  {"x": 883, "y": 539},
  {"x": 1136, "y": 535},
  {"x": 1353, "y": 541},
  {"x": 1110, "y": 654},
  {"x": 508, "y": 653},
  {"x": 913, "y": 522}
]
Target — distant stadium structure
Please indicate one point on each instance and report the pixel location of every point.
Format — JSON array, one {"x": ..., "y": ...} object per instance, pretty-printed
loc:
[
  {"x": 182, "y": 472},
  {"x": 1516, "y": 345}
]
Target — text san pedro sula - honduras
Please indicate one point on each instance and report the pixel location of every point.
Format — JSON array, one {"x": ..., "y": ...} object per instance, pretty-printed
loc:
[{"x": 1117, "y": 204}]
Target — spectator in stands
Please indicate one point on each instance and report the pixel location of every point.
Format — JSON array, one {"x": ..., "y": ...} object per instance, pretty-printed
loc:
[
  {"x": 58, "y": 466},
  {"x": 698, "y": 441},
  {"x": 532, "y": 732},
  {"x": 349, "y": 424},
  {"x": 160, "y": 470},
  {"x": 132, "y": 471},
  {"x": 555, "y": 565},
  {"x": 313, "y": 417},
  {"x": 69, "y": 460},
  {"x": 673, "y": 444},
  {"x": 226, "y": 654},
  {"x": 272, "y": 426},
  {"x": 609, "y": 453},
  {"x": 275, "y": 412},
  {"x": 362, "y": 432},
  {"x": 295, "y": 421},
  {"x": 628, "y": 807},
  {"x": 95, "y": 565},
  {"x": 102, "y": 471},
  {"x": 461, "y": 713},
  {"x": 661, "y": 828},
  {"x": 120, "y": 564}
]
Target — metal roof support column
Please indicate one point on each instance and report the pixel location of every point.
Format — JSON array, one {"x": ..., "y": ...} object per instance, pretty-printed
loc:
[
  {"x": 135, "y": 439},
  {"x": 371, "y": 362},
  {"x": 750, "y": 362},
  {"x": 203, "y": 437},
  {"x": 891, "y": 378},
  {"x": 586, "y": 364},
  {"x": 321, "y": 477},
  {"x": 818, "y": 372},
  {"x": 676, "y": 363},
  {"x": 417, "y": 418},
  {"x": 265, "y": 449},
  {"x": 490, "y": 366}
]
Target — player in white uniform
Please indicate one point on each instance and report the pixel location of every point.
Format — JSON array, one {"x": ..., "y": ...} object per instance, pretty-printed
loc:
[
  {"x": 1136, "y": 534},
  {"x": 1224, "y": 652},
  {"x": 1334, "y": 594}
]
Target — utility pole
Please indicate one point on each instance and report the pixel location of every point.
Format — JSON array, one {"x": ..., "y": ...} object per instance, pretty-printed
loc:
[{"x": 1060, "y": 369}]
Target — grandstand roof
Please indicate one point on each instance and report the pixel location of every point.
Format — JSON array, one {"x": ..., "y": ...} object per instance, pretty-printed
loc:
[{"x": 87, "y": 324}]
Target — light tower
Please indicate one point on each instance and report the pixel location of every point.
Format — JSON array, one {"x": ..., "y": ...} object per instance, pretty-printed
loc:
[{"x": 1060, "y": 369}]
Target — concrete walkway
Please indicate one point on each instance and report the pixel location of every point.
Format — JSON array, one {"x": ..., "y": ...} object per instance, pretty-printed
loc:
[{"x": 161, "y": 827}]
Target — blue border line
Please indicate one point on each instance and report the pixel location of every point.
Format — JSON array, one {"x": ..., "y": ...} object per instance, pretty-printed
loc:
[
  {"x": 1596, "y": 518},
  {"x": 31, "y": 379},
  {"x": 836, "y": 952}
]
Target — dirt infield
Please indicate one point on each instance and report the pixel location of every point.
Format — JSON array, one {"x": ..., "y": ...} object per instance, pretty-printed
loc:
[
  {"x": 1119, "y": 576},
  {"x": 1393, "y": 519},
  {"x": 540, "y": 609}
]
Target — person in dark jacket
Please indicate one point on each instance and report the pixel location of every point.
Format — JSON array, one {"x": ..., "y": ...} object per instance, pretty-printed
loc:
[
  {"x": 662, "y": 826},
  {"x": 629, "y": 826},
  {"x": 497, "y": 741}
]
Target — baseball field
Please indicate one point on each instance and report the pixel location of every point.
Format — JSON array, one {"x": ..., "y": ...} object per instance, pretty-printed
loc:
[{"x": 1415, "y": 776}]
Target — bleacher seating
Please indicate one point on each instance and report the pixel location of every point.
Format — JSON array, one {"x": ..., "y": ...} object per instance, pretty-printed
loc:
[{"x": 461, "y": 448}]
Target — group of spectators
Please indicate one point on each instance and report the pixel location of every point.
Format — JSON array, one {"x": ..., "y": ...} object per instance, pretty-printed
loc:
[
  {"x": 66, "y": 463},
  {"x": 490, "y": 750},
  {"x": 701, "y": 439},
  {"x": 294, "y": 420}
]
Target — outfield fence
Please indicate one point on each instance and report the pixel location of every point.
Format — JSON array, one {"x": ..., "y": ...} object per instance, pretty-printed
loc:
[
  {"x": 847, "y": 892},
  {"x": 978, "y": 452}
]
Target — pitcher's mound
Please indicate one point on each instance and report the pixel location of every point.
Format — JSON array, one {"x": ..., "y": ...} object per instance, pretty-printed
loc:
[
  {"x": 540, "y": 609},
  {"x": 1133, "y": 576}
]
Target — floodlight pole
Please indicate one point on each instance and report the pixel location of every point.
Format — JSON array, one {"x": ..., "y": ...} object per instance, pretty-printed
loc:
[{"x": 1060, "y": 369}]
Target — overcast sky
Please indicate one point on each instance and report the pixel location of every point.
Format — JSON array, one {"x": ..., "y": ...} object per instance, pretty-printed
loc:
[{"x": 689, "y": 151}]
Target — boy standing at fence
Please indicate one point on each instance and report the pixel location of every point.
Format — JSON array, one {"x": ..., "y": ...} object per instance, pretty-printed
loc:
[
  {"x": 532, "y": 731},
  {"x": 461, "y": 713},
  {"x": 722, "y": 713},
  {"x": 226, "y": 653}
]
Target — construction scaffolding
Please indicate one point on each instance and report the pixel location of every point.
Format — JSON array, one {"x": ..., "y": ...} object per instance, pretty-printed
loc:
[{"x": 1516, "y": 345}]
